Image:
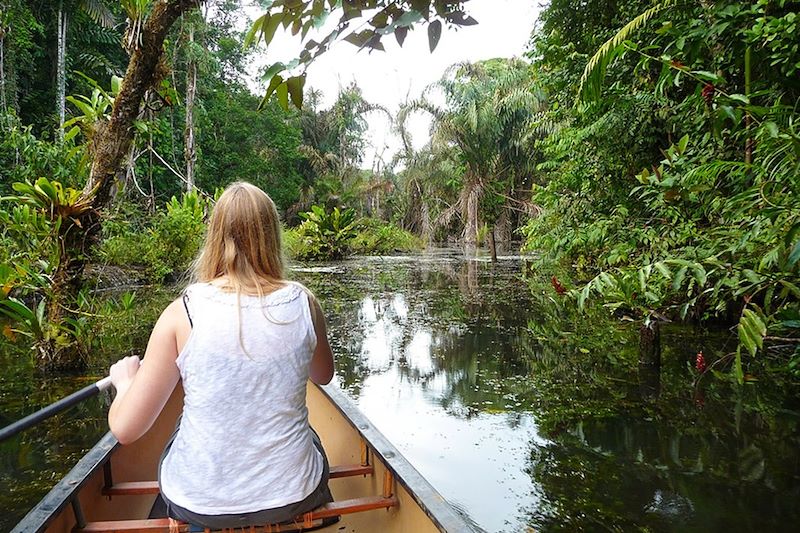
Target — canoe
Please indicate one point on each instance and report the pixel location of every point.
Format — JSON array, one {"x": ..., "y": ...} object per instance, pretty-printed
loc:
[{"x": 376, "y": 489}]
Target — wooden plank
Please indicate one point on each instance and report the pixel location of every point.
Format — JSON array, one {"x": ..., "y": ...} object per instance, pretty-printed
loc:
[
  {"x": 131, "y": 488},
  {"x": 161, "y": 525},
  {"x": 351, "y": 470},
  {"x": 356, "y": 505},
  {"x": 137, "y": 488},
  {"x": 133, "y": 526}
]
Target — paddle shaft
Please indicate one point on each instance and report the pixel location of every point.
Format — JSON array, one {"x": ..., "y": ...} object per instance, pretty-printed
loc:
[{"x": 54, "y": 408}]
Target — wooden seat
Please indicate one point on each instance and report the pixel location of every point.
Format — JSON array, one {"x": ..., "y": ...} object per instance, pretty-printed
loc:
[
  {"x": 309, "y": 520},
  {"x": 135, "y": 488}
]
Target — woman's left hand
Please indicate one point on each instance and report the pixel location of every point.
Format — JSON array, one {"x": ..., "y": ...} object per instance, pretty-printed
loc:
[{"x": 123, "y": 371}]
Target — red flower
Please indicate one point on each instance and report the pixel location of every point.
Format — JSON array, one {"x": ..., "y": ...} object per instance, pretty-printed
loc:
[
  {"x": 700, "y": 363},
  {"x": 708, "y": 93},
  {"x": 560, "y": 289}
]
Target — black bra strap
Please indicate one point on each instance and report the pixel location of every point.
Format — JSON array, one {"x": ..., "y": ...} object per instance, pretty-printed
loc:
[{"x": 186, "y": 306}]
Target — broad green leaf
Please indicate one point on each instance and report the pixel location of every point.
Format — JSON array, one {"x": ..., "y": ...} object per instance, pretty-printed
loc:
[
  {"x": 400, "y": 34},
  {"x": 664, "y": 270},
  {"x": 71, "y": 133},
  {"x": 295, "y": 86},
  {"x": 683, "y": 143},
  {"x": 276, "y": 81},
  {"x": 794, "y": 255},
  {"x": 679, "y": 277},
  {"x": 745, "y": 339},
  {"x": 270, "y": 25},
  {"x": 282, "y": 91},
  {"x": 791, "y": 288},
  {"x": 275, "y": 68},
  {"x": 250, "y": 38},
  {"x": 740, "y": 98},
  {"x": 707, "y": 76},
  {"x": 116, "y": 85},
  {"x": 699, "y": 274}
]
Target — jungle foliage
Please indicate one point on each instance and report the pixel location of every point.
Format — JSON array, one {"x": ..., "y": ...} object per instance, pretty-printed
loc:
[
  {"x": 670, "y": 181},
  {"x": 651, "y": 147}
]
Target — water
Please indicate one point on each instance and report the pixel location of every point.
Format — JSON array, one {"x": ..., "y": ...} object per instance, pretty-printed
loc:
[{"x": 520, "y": 411}]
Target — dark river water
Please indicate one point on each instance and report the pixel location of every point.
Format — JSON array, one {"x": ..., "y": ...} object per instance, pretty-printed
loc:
[{"x": 522, "y": 412}]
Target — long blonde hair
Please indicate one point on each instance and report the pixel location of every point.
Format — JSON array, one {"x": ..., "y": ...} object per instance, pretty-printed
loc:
[{"x": 243, "y": 242}]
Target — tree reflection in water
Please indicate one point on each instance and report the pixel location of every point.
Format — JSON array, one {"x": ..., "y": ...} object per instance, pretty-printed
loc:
[{"x": 611, "y": 445}]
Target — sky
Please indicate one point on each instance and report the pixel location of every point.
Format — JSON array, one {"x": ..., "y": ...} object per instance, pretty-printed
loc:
[{"x": 390, "y": 78}]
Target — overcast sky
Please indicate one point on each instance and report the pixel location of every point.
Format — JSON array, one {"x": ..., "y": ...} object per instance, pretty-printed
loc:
[{"x": 389, "y": 78}]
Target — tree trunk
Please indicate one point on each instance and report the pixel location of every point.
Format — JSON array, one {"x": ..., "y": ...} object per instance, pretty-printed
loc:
[
  {"x": 190, "y": 153},
  {"x": 492, "y": 246},
  {"x": 112, "y": 141},
  {"x": 3, "y": 102},
  {"x": 748, "y": 144},
  {"x": 110, "y": 146},
  {"x": 649, "y": 381},
  {"x": 503, "y": 230},
  {"x": 650, "y": 344},
  {"x": 58, "y": 351},
  {"x": 61, "y": 69},
  {"x": 471, "y": 215}
]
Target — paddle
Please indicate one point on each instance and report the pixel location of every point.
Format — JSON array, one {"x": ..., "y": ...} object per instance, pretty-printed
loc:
[{"x": 54, "y": 408}]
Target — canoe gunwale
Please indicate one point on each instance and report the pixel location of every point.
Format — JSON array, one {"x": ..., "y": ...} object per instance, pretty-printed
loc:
[
  {"x": 428, "y": 498},
  {"x": 62, "y": 493}
]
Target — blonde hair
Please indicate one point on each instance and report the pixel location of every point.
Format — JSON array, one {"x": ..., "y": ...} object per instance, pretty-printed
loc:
[
  {"x": 243, "y": 245},
  {"x": 243, "y": 242}
]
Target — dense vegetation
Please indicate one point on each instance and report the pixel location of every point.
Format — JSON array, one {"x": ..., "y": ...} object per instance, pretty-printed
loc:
[
  {"x": 647, "y": 152},
  {"x": 671, "y": 185}
]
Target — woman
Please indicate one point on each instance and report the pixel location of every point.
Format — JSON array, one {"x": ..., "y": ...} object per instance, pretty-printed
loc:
[{"x": 244, "y": 341}]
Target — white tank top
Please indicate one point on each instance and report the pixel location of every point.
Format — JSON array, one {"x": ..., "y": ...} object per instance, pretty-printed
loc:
[{"x": 244, "y": 443}]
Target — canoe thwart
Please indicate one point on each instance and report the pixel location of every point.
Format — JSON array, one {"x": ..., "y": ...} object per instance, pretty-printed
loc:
[
  {"x": 137, "y": 488},
  {"x": 312, "y": 519}
]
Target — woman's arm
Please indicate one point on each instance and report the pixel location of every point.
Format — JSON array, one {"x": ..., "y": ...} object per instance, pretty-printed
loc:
[
  {"x": 321, "y": 367},
  {"x": 142, "y": 391}
]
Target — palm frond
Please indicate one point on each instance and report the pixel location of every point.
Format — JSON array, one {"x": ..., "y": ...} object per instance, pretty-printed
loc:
[
  {"x": 99, "y": 12},
  {"x": 591, "y": 81}
]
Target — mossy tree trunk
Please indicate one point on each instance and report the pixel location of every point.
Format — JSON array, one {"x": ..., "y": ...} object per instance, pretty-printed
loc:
[
  {"x": 109, "y": 149},
  {"x": 58, "y": 350}
]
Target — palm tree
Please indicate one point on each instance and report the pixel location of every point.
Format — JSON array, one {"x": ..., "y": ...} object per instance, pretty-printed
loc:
[
  {"x": 333, "y": 145},
  {"x": 491, "y": 118}
]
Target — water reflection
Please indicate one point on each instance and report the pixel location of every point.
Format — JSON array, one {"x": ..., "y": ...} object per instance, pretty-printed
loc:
[
  {"x": 428, "y": 353},
  {"x": 526, "y": 414}
]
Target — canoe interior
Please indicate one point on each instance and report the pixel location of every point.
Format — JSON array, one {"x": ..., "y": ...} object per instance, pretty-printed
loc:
[{"x": 344, "y": 433}]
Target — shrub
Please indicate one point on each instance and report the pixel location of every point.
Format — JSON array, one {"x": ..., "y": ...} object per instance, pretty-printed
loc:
[
  {"x": 323, "y": 234},
  {"x": 379, "y": 238},
  {"x": 337, "y": 234},
  {"x": 167, "y": 246}
]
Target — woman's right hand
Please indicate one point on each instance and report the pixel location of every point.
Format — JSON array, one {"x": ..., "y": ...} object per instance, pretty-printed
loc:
[{"x": 123, "y": 371}]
